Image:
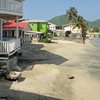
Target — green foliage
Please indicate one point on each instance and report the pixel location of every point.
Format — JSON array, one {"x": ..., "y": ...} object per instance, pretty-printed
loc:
[
  {"x": 71, "y": 14},
  {"x": 81, "y": 23},
  {"x": 95, "y": 23},
  {"x": 78, "y": 21},
  {"x": 59, "y": 20},
  {"x": 46, "y": 38},
  {"x": 20, "y": 20},
  {"x": 62, "y": 20},
  {"x": 49, "y": 31},
  {"x": 95, "y": 29}
]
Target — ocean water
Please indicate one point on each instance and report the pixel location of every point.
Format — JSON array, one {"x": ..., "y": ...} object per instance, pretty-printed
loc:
[
  {"x": 96, "y": 41},
  {"x": 95, "y": 60}
]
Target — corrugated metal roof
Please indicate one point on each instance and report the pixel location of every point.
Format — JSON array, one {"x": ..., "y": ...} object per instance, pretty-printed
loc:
[
  {"x": 12, "y": 24},
  {"x": 36, "y": 21}
]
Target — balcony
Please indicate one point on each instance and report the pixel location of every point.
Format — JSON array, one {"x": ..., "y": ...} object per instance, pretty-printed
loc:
[
  {"x": 9, "y": 46},
  {"x": 9, "y": 9}
]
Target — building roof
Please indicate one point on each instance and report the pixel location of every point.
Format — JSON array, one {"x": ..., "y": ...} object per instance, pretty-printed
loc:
[
  {"x": 36, "y": 21},
  {"x": 23, "y": 24},
  {"x": 49, "y": 23},
  {"x": 12, "y": 24},
  {"x": 69, "y": 24}
]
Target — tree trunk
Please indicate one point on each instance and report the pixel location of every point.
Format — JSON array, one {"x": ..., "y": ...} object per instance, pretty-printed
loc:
[{"x": 83, "y": 36}]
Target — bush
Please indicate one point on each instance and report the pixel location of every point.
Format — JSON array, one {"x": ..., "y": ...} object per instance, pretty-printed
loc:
[
  {"x": 95, "y": 29},
  {"x": 46, "y": 38}
]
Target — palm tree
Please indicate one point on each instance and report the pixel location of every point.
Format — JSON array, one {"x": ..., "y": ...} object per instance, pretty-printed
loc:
[
  {"x": 80, "y": 22},
  {"x": 71, "y": 14},
  {"x": 77, "y": 20}
]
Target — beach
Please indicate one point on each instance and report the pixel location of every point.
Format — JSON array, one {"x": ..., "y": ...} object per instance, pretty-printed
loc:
[{"x": 62, "y": 70}]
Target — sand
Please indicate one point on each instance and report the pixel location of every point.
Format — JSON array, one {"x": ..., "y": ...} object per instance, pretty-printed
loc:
[{"x": 47, "y": 68}]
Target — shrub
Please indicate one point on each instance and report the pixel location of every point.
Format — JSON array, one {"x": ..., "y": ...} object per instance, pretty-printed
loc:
[{"x": 46, "y": 38}]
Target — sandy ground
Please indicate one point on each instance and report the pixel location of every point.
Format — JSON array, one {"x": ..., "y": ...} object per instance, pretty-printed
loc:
[{"x": 47, "y": 68}]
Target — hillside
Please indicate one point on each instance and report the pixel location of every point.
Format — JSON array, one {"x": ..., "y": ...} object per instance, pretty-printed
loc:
[
  {"x": 62, "y": 20},
  {"x": 59, "y": 20},
  {"x": 96, "y": 23}
]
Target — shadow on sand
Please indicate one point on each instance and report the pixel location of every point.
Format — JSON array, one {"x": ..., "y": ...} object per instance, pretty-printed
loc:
[
  {"x": 9, "y": 94},
  {"x": 32, "y": 54}
]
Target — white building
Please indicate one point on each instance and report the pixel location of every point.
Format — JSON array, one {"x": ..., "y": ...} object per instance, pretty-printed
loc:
[
  {"x": 51, "y": 26},
  {"x": 9, "y": 10},
  {"x": 72, "y": 29}
]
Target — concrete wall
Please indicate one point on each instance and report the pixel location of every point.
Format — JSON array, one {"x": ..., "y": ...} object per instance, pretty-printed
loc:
[{"x": 72, "y": 29}]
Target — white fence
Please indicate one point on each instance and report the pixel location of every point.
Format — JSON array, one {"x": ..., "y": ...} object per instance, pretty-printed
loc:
[{"x": 7, "y": 47}]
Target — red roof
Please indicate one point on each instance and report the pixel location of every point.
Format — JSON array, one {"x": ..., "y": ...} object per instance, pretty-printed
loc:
[
  {"x": 12, "y": 24},
  {"x": 23, "y": 24}
]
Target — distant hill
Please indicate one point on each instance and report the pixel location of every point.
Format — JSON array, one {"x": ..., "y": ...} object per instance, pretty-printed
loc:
[
  {"x": 62, "y": 20},
  {"x": 59, "y": 20},
  {"x": 96, "y": 23}
]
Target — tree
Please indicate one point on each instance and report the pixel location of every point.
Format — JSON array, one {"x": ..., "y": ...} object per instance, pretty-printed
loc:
[
  {"x": 71, "y": 14},
  {"x": 95, "y": 29},
  {"x": 78, "y": 21},
  {"x": 45, "y": 37},
  {"x": 81, "y": 24}
]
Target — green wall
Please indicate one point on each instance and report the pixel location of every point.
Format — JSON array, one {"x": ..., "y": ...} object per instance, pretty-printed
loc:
[
  {"x": 34, "y": 26},
  {"x": 39, "y": 26}
]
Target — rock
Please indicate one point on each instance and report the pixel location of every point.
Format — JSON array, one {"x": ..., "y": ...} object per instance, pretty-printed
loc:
[{"x": 13, "y": 75}]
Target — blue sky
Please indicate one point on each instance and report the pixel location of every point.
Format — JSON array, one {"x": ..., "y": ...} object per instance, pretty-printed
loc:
[{"x": 47, "y": 9}]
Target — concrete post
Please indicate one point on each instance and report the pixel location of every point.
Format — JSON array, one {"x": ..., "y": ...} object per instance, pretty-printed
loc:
[
  {"x": 17, "y": 30},
  {"x": 1, "y": 32}
]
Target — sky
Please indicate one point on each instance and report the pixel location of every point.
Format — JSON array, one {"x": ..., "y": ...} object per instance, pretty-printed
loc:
[{"x": 47, "y": 9}]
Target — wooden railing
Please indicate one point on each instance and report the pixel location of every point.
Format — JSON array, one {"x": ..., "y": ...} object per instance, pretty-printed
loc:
[
  {"x": 8, "y": 47},
  {"x": 4, "y": 47}
]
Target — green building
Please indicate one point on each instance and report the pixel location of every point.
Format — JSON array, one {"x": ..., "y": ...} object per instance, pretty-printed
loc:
[{"x": 38, "y": 25}]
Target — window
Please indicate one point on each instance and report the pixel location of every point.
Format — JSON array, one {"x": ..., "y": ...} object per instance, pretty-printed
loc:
[
  {"x": 40, "y": 25},
  {"x": 3, "y": 4},
  {"x": 32, "y": 24}
]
